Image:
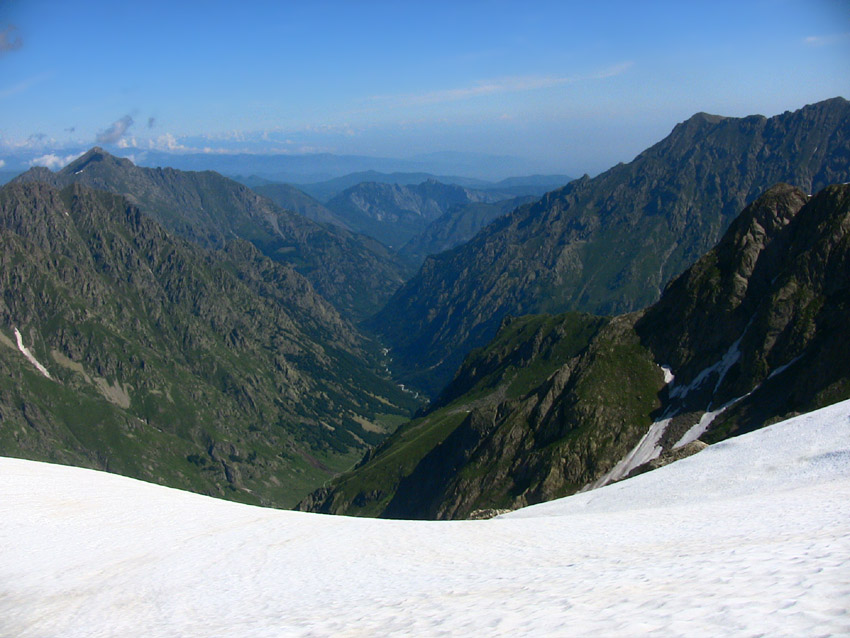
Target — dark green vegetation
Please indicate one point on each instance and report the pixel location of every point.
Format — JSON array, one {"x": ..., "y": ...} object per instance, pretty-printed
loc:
[
  {"x": 609, "y": 244},
  {"x": 355, "y": 273},
  {"x": 222, "y": 371},
  {"x": 758, "y": 325}
]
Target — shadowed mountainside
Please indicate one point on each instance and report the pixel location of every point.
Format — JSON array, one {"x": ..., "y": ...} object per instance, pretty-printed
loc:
[{"x": 609, "y": 244}]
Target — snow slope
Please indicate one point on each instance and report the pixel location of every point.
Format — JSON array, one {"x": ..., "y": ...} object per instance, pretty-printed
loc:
[{"x": 750, "y": 537}]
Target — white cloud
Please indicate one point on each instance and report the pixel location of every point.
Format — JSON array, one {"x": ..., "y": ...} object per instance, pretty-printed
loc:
[
  {"x": 24, "y": 85},
  {"x": 168, "y": 142},
  {"x": 503, "y": 85},
  {"x": 115, "y": 131},
  {"x": 826, "y": 40},
  {"x": 2, "y": 163},
  {"x": 53, "y": 161}
]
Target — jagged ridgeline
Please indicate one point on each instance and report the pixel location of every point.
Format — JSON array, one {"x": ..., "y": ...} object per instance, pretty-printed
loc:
[
  {"x": 221, "y": 372},
  {"x": 609, "y": 244},
  {"x": 355, "y": 273},
  {"x": 755, "y": 331}
]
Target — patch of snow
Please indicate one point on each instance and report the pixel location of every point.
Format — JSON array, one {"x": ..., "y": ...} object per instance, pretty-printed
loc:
[
  {"x": 29, "y": 355},
  {"x": 699, "y": 428},
  {"x": 669, "y": 377},
  {"x": 782, "y": 369},
  {"x": 721, "y": 367},
  {"x": 646, "y": 450},
  {"x": 749, "y": 537}
]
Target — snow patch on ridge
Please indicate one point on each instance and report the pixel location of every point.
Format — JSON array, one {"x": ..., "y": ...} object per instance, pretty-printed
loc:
[
  {"x": 646, "y": 450},
  {"x": 29, "y": 355},
  {"x": 721, "y": 367},
  {"x": 698, "y": 429}
]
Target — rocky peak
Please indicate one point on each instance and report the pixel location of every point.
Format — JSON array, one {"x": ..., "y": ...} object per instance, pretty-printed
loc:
[
  {"x": 703, "y": 311},
  {"x": 93, "y": 157}
]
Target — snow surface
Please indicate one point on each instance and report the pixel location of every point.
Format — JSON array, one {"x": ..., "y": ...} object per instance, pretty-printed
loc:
[{"x": 750, "y": 537}]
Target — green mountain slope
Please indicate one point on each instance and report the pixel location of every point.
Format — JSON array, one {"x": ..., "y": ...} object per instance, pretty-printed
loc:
[
  {"x": 221, "y": 372},
  {"x": 608, "y": 244},
  {"x": 353, "y": 272},
  {"x": 754, "y": 332}
]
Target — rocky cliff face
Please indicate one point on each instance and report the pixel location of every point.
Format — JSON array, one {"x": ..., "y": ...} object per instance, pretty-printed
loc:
[
  {"x": 125, "y": 348},
  {"x": 354, "y": 273},
  {"x": 756, "y": 328},
  {"x": 608, "y": 244},
  {"x": 755, "y": 331}
]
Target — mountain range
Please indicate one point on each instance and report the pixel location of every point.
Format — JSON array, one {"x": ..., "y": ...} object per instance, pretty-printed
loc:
[
  {"x": 355, "y": 273},
  {"x": 181, "y": 328},
  {"x": 609, "y": 244},
  {"x": 509, "y": 187},
  {"x": 124, "y": 347},
  {"x": 293, "y": 168},
  {"x": 753, "y": 332},
  {"x": 457, "y": 226}
]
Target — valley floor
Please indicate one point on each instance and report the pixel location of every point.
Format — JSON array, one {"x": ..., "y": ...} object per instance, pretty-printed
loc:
[{"x": 749, "y": 537}]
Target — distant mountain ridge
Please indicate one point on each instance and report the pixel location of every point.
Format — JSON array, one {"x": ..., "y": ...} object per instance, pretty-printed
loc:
[
  {"x": 415, "y": 219},
  {"x": 394, "y": 213},
  {"x": 291, "y": 198},
  {"x": 221, "y": 371},
  {"x": 457, "y": 226},
  {"x": 508, "y": 187},
  {"x": 608, "y": 244},
  {"x": 754, "y": 332},
  {"x": 355, "y": 273}
]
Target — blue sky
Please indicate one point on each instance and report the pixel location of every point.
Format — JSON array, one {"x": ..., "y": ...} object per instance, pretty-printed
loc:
[{"x": 575, "y": 86}]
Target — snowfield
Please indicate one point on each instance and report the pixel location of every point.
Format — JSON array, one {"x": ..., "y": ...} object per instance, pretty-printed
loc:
[{"x": 750, "y": 537}]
